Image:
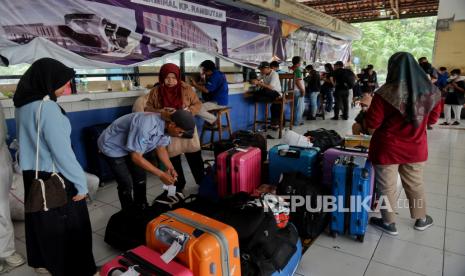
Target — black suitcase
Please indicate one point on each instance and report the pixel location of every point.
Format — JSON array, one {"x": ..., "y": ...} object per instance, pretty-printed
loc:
[{"x": 96, "y": 163}]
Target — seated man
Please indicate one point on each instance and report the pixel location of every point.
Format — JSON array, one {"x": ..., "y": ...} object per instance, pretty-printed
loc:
[
  {"x": 128, "y": 138},
  {"x": 359, "y": 127},
  {"x": 214, "y": 92},
  {"x": 268, "y": 89}
]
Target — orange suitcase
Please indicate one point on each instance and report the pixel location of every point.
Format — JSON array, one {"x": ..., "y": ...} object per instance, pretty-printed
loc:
[{"x": 209, "y": 247}]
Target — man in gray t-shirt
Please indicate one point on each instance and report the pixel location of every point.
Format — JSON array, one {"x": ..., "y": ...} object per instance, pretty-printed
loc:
[{"x": 269, "y": 89}]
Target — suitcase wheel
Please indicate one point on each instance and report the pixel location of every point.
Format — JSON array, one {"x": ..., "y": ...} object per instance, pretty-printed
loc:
[
  {"x": 360, "y": 238},
  {"x": 333, "y": 234}
]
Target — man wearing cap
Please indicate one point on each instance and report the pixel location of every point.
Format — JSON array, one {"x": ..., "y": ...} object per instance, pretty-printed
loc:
[
  {"x": 269, "y": 89},
  {"x": 131, "y": 136}
]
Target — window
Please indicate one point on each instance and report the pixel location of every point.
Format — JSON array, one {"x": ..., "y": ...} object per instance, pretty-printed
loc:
[
  {"x": 13, "y": 70},
  {"x": 229, "y": 67},
  {"x": 90, "y": 72},
  {"x": 192, "y": 60}
]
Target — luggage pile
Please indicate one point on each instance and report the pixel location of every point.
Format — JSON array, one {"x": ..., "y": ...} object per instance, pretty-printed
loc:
[{"x": 240, "y": 224}]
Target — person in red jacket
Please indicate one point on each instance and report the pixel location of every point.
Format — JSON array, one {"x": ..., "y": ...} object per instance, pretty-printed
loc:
[{"x": 399, "y": 113}]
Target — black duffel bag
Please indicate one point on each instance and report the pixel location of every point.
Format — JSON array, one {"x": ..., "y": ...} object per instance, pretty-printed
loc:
[
  {"x": 242, "y": 138},
  {"x": 126, "y": 229},
  {"x": 324, "y": 139}
]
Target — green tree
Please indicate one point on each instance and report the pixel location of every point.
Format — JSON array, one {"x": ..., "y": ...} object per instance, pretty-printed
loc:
[{"x": 381, "y": 39}]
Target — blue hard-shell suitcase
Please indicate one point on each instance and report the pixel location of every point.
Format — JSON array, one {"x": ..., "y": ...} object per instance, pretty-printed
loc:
[
  {"x": 284, "y": 158},
  {"x": 351, "y": 186}
]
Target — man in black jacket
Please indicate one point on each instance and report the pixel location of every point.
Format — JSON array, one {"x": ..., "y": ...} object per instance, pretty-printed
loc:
[
  {"x": 343, "y": 80},
  {"x": 312, "y": 87}
]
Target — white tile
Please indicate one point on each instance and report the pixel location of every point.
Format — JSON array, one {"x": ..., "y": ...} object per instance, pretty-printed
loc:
[
  {"x": 433, "y": 160},
  {"x": 107, "y": 195},
  {"x": 454, "y": 265},
  {"x": 349, "y": 245},
  {"x": 457, "y": 191},
  {"x": 94, "y": 204},
  {"x": 460, "y": 181},
  {"x": 436, "y": 201},
  {"x": 455, "y": 241},
  {"x": 20, "y": 247},
  {"x": 456, "y": 204},
  {"x": 456, "y": 171},
  {"x": 438, "y": 215},
  {"x": 101, "y": 249},
  {"x": 409, "y": 256},
  {"x": 321, "y": 261},
  {"x": 117, "y": 204},
  {"x": 436, "y": 177},
  {"x": 23, "y": 270},
  {"x": 109, "y": 103},
  {"x": 20, "y": 231},
  {"x": 100, "y": 216},
  {"x": 455, "y": 221},
  {"x": 432, "y": 237},
  {"x": 436, "y": 188},
  {"x": 439, "y": 168},
  {"x": 379, "y": 269},
  {"x": 106, "y": 260},
  {"x": 457, "y": 163}
]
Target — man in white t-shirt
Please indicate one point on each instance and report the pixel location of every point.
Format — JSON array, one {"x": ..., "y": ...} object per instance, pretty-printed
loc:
[{"x": 269, "y": 89}]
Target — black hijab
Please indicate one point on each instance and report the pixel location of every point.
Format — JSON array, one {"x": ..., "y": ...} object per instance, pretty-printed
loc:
[
  {"x": 41, "y": 79},
  {"x": 409, "y": 89}
]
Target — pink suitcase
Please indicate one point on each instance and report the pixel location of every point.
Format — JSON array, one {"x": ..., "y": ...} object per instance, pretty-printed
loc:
[
  {"x": 330, "y": 155},
  {"x": 114, "y": 267},
  {"x": 238, "y": 170}
]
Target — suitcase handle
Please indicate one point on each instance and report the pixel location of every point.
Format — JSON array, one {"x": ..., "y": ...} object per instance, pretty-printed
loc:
[
  {"x": 168, "y": 235},
  {"x": 290, "y": 153}
]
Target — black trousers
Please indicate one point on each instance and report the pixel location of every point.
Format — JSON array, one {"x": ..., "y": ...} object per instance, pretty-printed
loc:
[
  {"x": 268, "y": 96},
  {"x": 131, "y": 180},
  {"x": 59, "y": 239},
  {"x": 195, "y": 162},
  {"x": 341, "y": 104}
]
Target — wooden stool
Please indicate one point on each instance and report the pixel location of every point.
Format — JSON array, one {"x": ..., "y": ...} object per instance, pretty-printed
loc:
[
  {"x": 287, "y": 98},
  {"x": 217, "y": 126},
  {"x": 287, "y": 84}
]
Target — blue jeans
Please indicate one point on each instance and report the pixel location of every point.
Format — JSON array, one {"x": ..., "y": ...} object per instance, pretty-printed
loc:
[
  {"x": 298, "y": 108},
  {"x": 313, "y": 104}
]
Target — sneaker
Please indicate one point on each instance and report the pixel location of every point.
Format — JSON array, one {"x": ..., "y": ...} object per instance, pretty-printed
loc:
[
  {"x": 456, "y": 123},
  {"x": 335, "y": 118},
  {"x": 311, "y": 118},
  {"x": 444, "y": 124},
  {"x": 388, "y": 228},
  {"x": 41, "y": 270},
  {"x": 421, "y": 225},
  {"x": 15, "y": 260}
]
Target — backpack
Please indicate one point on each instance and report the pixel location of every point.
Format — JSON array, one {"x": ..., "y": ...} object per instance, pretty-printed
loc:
[
  {"x": 349, "y": 78},
  {"x": 309, "y": 224}
]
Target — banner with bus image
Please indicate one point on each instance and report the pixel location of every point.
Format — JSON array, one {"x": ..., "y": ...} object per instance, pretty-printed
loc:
[{"x": 118, "y": 33}]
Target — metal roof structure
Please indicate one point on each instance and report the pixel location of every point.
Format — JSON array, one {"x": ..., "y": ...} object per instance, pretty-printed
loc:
[{"x": 352, "y": 11}]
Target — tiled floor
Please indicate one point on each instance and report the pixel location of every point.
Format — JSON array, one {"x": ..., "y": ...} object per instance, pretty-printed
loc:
[{"x": 438, "y": 251}]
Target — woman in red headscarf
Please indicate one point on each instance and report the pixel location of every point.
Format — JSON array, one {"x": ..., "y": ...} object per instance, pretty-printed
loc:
[{"x": 172, "y": 93}]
